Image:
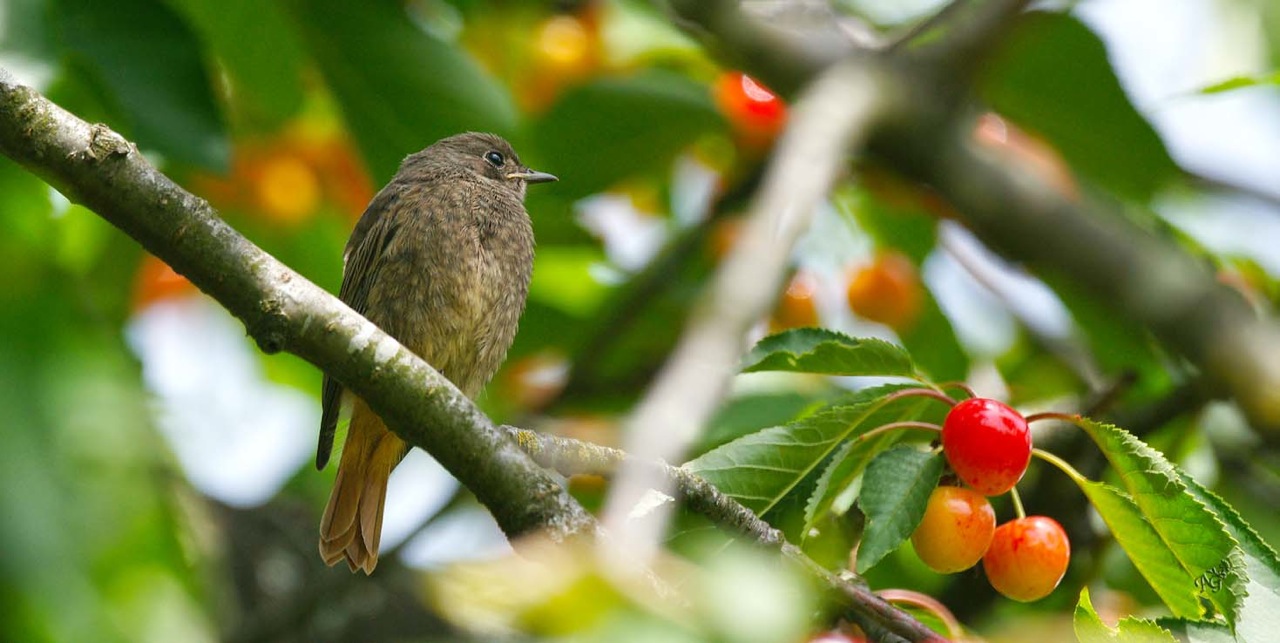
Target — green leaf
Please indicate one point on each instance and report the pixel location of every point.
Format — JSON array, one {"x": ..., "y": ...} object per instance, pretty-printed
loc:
[
  {"x": 1258, "y": 616},
  {"x": 1197, "y": 538},
  {"x": 1089, "y": 627},
  {"x": 147, "y": 58},
  {"x": 895, "y": 491},
  {"x": 1053, "y": 77},
  {"x": 612, "y": 128},
  {"x": 818, "y": 350},
  {"x": 746, "y": 414},
  {"x": 1241, "y": 82},
  {"x": 1204, "y": 631},
  {"x": 839, "y": 480},
  {"x": 1153, "y": 557},
  {"x": 762, "y": 468},
  {"x": 400, "y": 88},
  {"x": 259, "y": 53}
]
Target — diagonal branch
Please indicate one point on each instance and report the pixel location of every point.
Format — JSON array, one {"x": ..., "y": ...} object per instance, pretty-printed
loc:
[
  {"x": 281, "y": 310},
  {"x": 875, "y": 615},
  {"x": 1140, "y": 275}
]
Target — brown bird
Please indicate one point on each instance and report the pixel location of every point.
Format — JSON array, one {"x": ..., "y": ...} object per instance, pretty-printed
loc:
[{"x": 440, "y": 260}]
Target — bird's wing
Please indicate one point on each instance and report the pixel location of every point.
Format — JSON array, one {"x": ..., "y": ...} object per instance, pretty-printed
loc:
[{"x": 363, "y": 262}]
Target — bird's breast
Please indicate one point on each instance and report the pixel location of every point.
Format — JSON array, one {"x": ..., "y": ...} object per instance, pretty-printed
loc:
[{"x": 455, "y": 293}]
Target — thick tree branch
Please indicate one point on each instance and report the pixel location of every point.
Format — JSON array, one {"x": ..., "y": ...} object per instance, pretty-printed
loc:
[
  {"x": 785, "y": 58},
  {"x": 1207, "y": 183},
  {"x": 96, "y": 167},
  {"x": 1141, "y": 276}
]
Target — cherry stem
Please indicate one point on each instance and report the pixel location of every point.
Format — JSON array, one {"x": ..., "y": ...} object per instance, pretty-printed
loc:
[
  {"x": 1053, "y": 415},
  {"x": 894, "y": 426},
  {"x": 958, "y": 385},
  {"x": 1062, "y": 466},
  {"x": 1017, "y": 503},
  {"x": 927, "y": 603},
  {"x": 921, "y": 392}
]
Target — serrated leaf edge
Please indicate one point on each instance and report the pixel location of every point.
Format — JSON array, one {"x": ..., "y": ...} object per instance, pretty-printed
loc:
[{"x": 1172, "y": 475}]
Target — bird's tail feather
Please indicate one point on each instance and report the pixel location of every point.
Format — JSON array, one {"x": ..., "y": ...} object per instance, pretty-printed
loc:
[{"x": 352, "y": 524}]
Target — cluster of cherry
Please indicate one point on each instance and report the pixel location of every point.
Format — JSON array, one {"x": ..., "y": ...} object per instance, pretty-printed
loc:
[{"x": 988, "y": 445}]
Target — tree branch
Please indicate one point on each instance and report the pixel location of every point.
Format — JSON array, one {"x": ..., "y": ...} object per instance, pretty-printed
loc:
[
  {"x": 879, "y": 618},
  {"x": 1141, "y": 276},
  {"x": 1207, "y": 183},
  {"x": 281, "y": 310},
  {"x": 785, "y": 59}
]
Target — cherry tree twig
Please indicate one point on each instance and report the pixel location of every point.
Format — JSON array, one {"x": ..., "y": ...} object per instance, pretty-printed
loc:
[{"x": 873, "y": 613}]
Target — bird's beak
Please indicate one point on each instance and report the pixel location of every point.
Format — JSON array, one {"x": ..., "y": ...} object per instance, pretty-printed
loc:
[{"x": 532, "y": 176}]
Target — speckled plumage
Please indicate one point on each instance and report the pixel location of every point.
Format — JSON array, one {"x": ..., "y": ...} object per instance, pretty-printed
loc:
[{"x": 440, "y": 260}]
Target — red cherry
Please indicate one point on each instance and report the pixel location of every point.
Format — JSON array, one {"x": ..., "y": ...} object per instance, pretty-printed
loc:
[
  {"x": 955, "y": 531},
  {"x": 988, "y": 444},
  {"x": 1027, "y": 558},
  {"x": 756, "y": 114}
]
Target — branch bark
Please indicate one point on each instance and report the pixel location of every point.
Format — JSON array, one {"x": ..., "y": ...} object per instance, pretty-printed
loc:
[
  {"x": 881, "y": 620},
  {"x": 1138, "y": 274},
  {"x": 787, "y": 59},
  {"x": 281, "y": 310}
]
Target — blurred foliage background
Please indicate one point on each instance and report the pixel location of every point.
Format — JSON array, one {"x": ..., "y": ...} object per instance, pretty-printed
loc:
[{"x": 154, "y": 476}]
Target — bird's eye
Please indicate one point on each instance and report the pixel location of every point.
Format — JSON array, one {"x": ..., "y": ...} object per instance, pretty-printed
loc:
[{"x": 495, "y": 159}]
